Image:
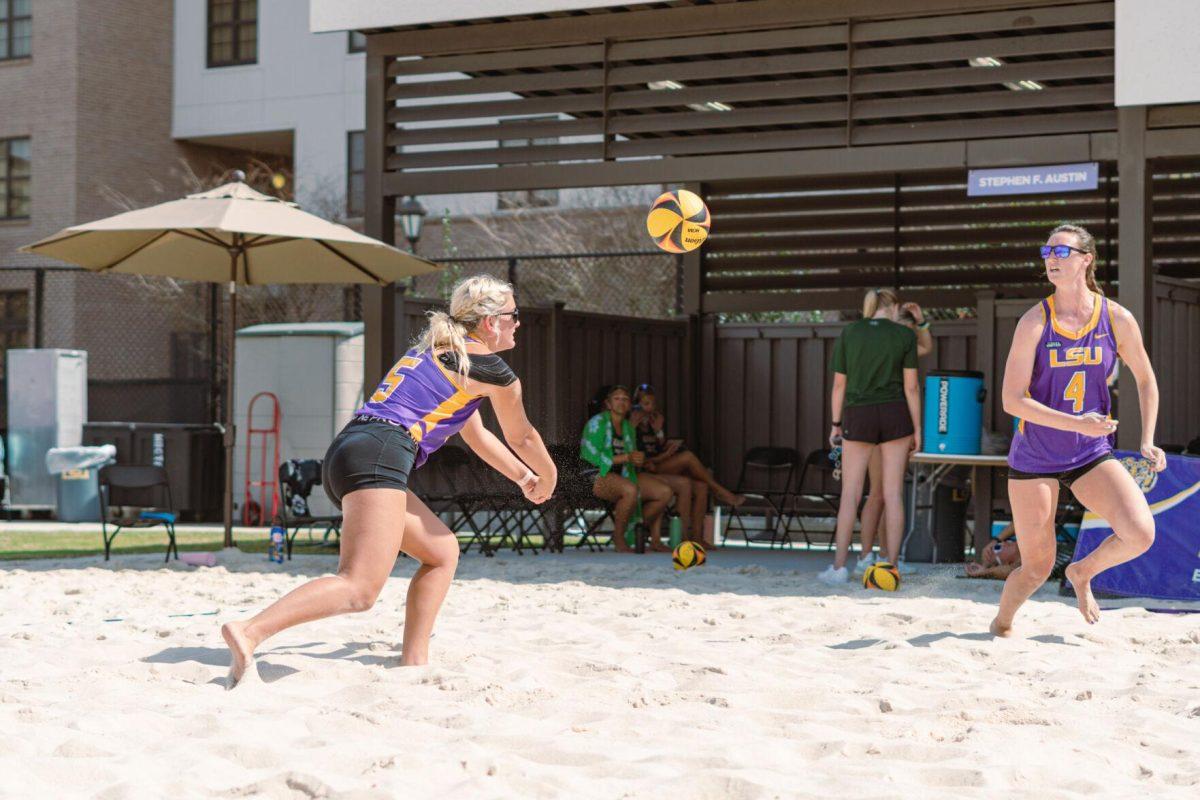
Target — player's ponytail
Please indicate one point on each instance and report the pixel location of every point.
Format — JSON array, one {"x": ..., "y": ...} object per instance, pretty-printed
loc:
[
  {"x": 472, "y": 300},
  {"x": 1086, "y": 243},
  {"x": 877, "y": 298}
]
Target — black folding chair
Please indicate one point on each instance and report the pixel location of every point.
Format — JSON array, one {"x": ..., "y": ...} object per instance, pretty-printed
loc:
[
  {"x": 508, "y": 512},
  {"x": 445, "y": 483},
  {"x": 297, "y": 479},
  {"x": 766, "y": 481},
  {"x": 810, "y": 500},
  {"x": 144, "y": 487},
  {"x": 574, "y": 503}
]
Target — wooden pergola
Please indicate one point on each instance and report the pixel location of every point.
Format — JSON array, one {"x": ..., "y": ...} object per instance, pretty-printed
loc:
[{"x": 831, "y": 139}]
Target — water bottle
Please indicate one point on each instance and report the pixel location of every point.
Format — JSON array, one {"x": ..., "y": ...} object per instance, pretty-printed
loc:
[
  {"x": 676, "y": 531},
  {"x": 277, "y": 544}
]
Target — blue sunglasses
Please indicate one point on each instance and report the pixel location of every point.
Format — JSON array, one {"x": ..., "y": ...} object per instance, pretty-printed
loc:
[{"x": 1060, "y": 250}]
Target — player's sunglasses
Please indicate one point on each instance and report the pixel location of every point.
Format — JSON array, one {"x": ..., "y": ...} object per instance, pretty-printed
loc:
[
  {"x": 1059, "y": 250},
  {"x": 515, "y": 314}
]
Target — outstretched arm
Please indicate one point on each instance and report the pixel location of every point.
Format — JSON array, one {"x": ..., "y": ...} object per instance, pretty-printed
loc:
[
  {"x": 521, "y": 436},
  {"x": 493, "y": 452},
  {"x": 1132, "y": 350}
]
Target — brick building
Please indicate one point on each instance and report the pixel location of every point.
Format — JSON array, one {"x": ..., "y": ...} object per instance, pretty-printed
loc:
[{"x": 85, "y": 132}]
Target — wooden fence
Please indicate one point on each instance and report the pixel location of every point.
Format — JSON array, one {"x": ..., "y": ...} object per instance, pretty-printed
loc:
[
  {"x": 770, "y": 385},
  {"x": 729, "y": 387}
]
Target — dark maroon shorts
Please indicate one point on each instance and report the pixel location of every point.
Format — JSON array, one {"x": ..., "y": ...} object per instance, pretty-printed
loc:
[{"x": 881, "y": 422}]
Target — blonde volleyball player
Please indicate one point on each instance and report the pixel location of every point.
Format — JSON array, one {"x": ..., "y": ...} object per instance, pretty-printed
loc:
[
  {"x": 1056, "y": 382},
  {"x": 431, "y": 393}
]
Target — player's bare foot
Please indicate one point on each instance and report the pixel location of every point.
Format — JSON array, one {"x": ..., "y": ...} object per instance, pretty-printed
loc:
[
  {"x": 1083, "y": 594},
  {"x": 659, "y": 547},
  {"x": 241, "y": 651},
  {"x": 1003, "y": 630}
]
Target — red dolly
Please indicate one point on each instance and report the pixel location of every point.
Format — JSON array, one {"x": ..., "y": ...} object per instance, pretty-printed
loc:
[{"x": 268, "y": 475}]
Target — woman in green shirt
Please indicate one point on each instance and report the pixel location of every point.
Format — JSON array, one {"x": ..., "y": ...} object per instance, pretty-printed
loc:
[
  {"x": 609, "y": 443},
  {"x": 875, "y": 402}
]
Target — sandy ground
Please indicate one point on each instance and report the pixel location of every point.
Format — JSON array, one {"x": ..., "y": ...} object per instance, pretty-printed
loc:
[{"x": 589, "y": 675}]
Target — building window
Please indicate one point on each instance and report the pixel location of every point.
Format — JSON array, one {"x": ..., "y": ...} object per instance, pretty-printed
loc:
[
  {"x": 528, "y": 198},
  {"x": 16, "y": 29},
  {"x": 14, "y": 178},
  {"x": 232, "y": 32},
  {"x": 356, "y": 170},
  {"x": 14, "y": 323},
  {"x": 357, "y": 42}
]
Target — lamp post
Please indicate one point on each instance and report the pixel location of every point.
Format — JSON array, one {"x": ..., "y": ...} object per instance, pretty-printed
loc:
[{"x": 412, "y": 217}]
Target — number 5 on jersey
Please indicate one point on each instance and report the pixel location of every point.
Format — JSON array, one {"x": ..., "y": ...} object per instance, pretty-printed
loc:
[
  {"x": 1076, "y": 390},
  {"x": 393, "y": 379}
]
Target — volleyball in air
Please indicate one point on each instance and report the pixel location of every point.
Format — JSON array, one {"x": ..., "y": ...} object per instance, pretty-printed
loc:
[
  {"x": 678, "y": 221},
  {"x": 687, "y": 555},
  {"x": 881, "y": 575}
]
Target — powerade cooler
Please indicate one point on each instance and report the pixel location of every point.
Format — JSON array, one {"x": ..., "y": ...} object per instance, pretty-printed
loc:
[{"x": 953, "y": 412}]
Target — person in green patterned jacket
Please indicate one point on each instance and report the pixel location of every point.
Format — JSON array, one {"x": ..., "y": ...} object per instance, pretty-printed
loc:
[{"x": 609, "y": 443}]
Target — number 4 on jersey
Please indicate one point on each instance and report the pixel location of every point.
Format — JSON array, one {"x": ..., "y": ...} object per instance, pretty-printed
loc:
[{"x": 1076, "y": 390}]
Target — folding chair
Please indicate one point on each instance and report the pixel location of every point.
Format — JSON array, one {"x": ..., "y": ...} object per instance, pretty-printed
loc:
[
  {"x": 507, "y": 511},
  {"x": 144, "y": 487},
  {"x": 445, "y": 484},
  {"x": 574, "y": 502},
  {"x": 297, "y": 479},
  {"x": 766, "y": 481},
  {"x": 810, "y": 500}
]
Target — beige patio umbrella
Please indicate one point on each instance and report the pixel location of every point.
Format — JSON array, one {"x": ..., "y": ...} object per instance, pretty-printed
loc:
[{"x": 234, "y": 235}]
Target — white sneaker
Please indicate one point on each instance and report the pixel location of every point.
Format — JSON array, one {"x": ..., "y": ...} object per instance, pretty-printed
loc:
[
  {"x": 861, "y": 565},
  {"x": 834, "y": 577},
  {"x": 904, "y": 568}
]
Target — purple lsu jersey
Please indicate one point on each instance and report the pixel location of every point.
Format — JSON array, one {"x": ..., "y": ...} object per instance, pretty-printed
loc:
[
  {"x": 425, "y": 398},
  {"x": 1070, "y": 373}
]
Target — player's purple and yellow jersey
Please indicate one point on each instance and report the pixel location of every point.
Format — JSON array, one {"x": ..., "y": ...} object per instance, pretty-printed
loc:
[
  {"x": 1070, "y": 373},
  {"x": 421, "y": 395}
]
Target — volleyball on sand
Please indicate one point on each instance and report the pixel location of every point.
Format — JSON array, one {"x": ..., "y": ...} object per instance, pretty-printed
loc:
[
  {"x": 687, "y": 555},
  {"x": 881, "y": 575},
  {"x": 678, "y": 221}
]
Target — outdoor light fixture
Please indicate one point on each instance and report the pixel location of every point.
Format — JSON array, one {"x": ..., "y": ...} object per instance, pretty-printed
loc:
[
  {"x": 711, "y": 105},
  {"x": 412, "y": 217},
  {"x": 1016, "y": 86}
]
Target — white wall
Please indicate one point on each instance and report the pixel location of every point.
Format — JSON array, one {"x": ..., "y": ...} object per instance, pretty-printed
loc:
[
  {"x": 318, "y": 380},
  {"x": 303, "y": 82},
  {"x": 334, "y": 15},
  {"x": 1158, "y": 52}
]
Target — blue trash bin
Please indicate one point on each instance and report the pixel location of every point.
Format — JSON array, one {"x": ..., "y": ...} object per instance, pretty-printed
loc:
[{"x": 953, "y": 412}]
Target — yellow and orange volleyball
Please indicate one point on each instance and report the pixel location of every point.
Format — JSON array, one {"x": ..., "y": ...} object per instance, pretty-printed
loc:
[
  {"x": 881, "y": 575},
  {"x": 688, "y": 555},
  {"x": 678, "y": 221}
]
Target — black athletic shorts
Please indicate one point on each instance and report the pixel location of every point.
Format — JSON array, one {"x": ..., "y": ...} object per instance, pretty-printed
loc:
[
  {"x": 1066, "y": 478},
  {"x": 367, "y": 454},
  {"x": 880, "y": 422}
]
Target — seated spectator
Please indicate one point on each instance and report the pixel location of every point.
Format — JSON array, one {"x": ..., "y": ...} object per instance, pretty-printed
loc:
[
  {"x": 675, "y": 465},
  {"x": 610, "y": 444},
  {"x": 998, "y": 559}
]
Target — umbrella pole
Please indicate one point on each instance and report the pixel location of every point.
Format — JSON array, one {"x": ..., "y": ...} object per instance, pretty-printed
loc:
[{"x": 230, "y": 437}]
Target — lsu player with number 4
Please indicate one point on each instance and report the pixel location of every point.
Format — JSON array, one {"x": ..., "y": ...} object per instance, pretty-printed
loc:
[
  {"x": 1056, "y": 383},
  {"x": 433, "y": 392}
]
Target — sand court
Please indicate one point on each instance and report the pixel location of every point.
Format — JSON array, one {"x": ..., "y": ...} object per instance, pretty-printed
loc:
[{"x": 588, "y": 675}]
